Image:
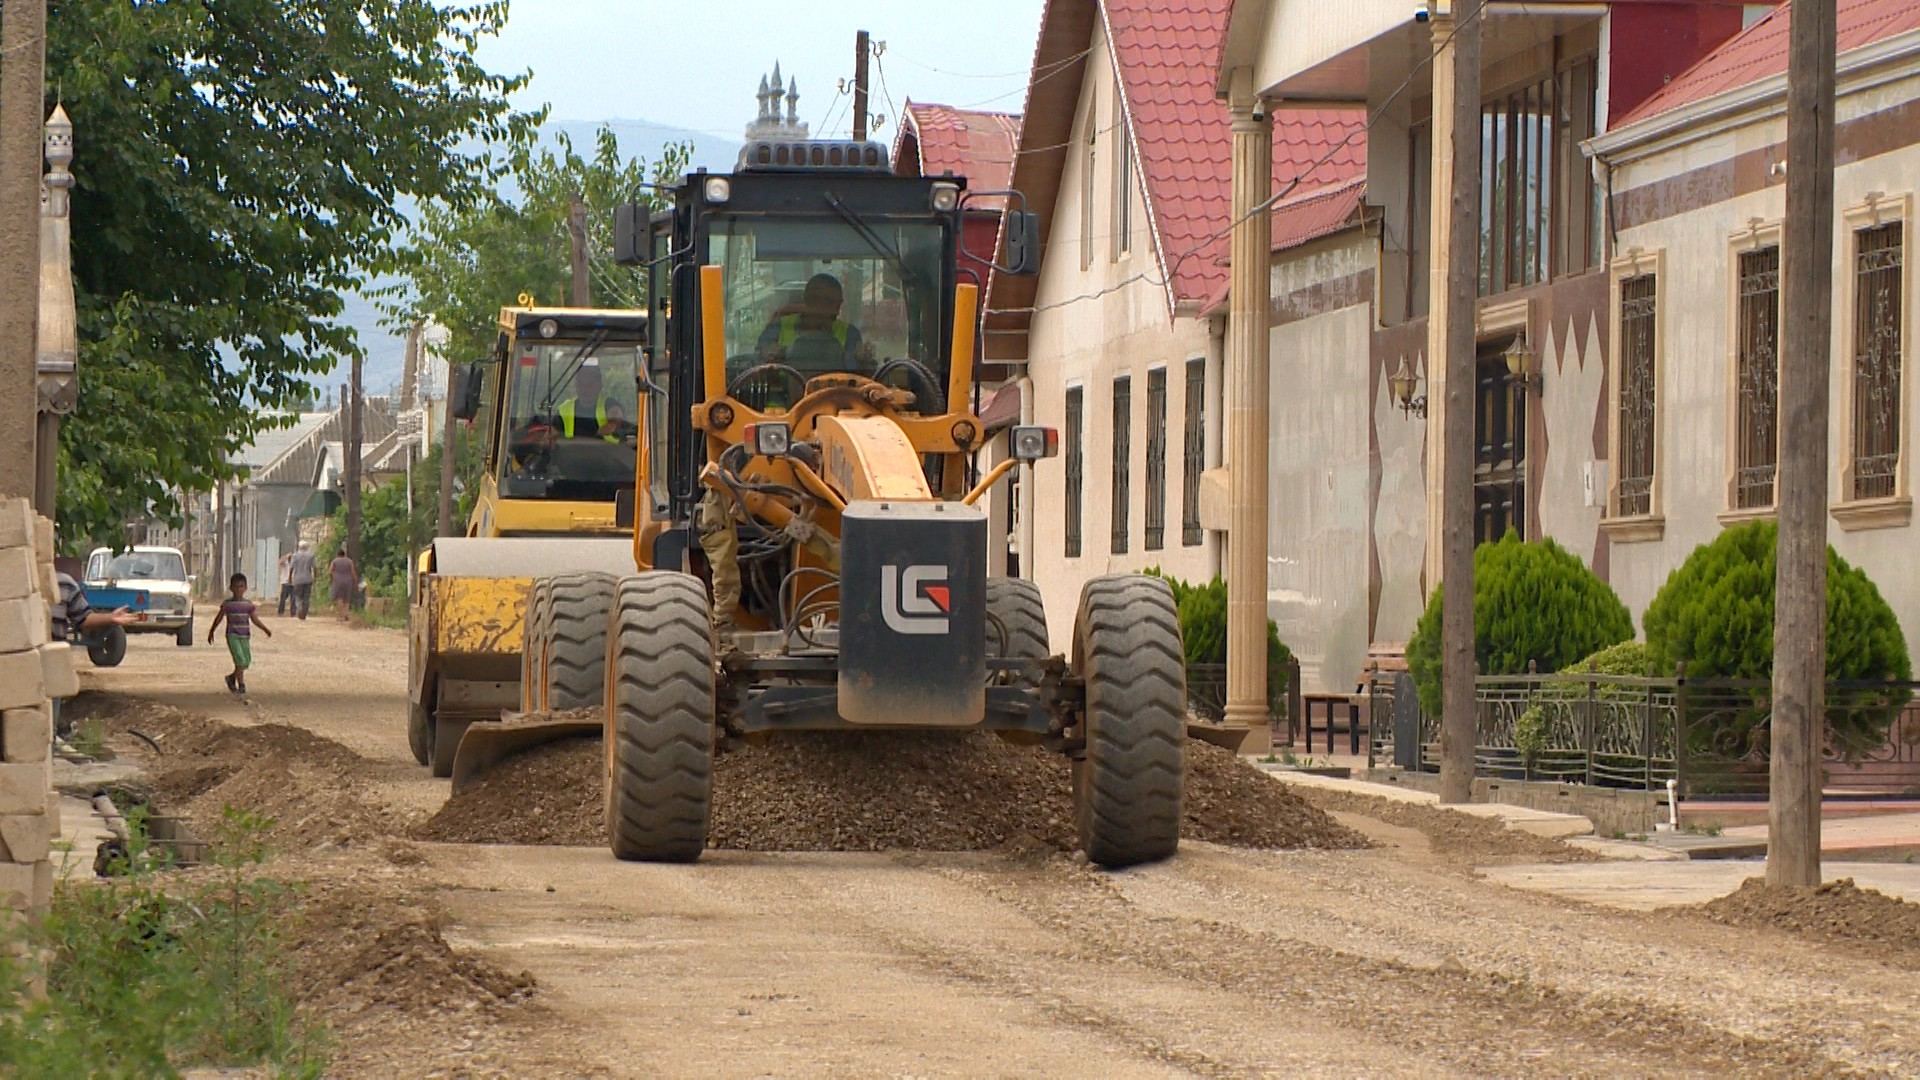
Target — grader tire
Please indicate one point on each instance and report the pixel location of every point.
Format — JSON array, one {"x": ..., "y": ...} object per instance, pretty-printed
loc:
[
  {"x": 660, "y": 718},
  {"x": 1128, "y": 781},
  {"x": 573, "y": 637},
  {"x": 1015, "y": 605},
  {"x": 533, "y": 643}
]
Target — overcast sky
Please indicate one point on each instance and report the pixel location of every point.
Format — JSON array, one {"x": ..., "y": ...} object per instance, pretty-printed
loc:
[{"x": 697, "y": 65}]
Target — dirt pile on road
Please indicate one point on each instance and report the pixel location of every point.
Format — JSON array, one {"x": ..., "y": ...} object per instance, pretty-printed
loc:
[
  {"x": 1838, "y": 911},
  {"x": 874, "y": 792},
  {"x": 309, "y": 791},
  {"x": 1468, "y": 840}
]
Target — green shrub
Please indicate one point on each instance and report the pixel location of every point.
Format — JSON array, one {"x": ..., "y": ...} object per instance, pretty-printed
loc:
[
  {"x": 1628, "y": 658},
  {"x": 1203, "y": 632},
  {"x": 1533, "y": 601},
  {"x": 1715, "y": 615}
]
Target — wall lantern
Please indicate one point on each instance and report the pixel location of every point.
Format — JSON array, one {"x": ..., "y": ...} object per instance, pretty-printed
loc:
[
  {"x": 1401, "y": 385},
  {"x": 1520, "y": 366}
]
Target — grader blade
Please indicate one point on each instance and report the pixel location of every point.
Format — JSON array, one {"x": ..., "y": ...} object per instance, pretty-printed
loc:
[{"x": 485, "y": 745}]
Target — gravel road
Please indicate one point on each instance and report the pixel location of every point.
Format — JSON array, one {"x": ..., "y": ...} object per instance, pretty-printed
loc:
[{"x": 1394, "y": 960}]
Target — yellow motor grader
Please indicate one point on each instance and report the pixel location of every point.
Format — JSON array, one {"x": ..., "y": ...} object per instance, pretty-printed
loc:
[{"x": 808, "y": 549}]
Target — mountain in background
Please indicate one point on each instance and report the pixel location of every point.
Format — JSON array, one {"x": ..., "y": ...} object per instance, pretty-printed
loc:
[{"x": 386, "y": 348}]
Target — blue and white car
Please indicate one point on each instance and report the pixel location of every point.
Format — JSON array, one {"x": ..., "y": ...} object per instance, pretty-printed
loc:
[{"x": 156, "y": 579}]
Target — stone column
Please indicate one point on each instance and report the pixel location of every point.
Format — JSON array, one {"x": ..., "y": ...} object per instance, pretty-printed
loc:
[
  {"x": 1247, "y": 412},
  {"x": 58, "y": 348}
]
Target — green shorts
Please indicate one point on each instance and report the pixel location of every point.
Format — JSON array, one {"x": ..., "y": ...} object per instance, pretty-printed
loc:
[{"x": 241, "y": 649}]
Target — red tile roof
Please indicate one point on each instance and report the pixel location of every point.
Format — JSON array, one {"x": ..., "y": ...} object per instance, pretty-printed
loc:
[
  {"x": 1167, "y": 52},
  {"x": 1300, "y": 218},
  {"x": 1760, "y": 51},
  {"x": 976, "y": 145}
]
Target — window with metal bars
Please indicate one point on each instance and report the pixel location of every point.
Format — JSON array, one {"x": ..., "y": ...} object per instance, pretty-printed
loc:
[
  {"x": 1757, "y": 379},
  {"x": 1638, "y": 339},
  {"x": 1156, "y": 459},
  {"x": 1194, "y": 459},
  {"x": 1877, "y": 306},
  {"x": 1122, "y": 458},
  {"x": 1122, "y": 178},
  {"x": 1076, "y": 465}
]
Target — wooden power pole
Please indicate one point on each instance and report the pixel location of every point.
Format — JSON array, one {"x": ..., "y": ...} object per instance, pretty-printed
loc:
[
  {"x": 1458, "y": 712},
  {"x": 860, "y": 51},
  {"x": 23, "y": 25},
  {"x": 1800, "y": 577},
  {"x": 577, "y": 233}
]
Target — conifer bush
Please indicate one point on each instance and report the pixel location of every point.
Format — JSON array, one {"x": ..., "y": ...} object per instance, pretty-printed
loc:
[
  {"x": 1533, "y": 601},
  {"x": 1715, "y": 615},
  {"x": 1203, "y": 632}
]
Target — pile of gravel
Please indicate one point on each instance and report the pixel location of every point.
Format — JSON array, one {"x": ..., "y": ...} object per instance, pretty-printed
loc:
[{"x": 876, "y": 791}]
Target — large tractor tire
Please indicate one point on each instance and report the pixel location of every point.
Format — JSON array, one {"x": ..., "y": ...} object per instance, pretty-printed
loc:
[
  {"x": 1128, "y": 780},
  {"x": 571, "y": 646},
  {"x": 532, "y": 636},
  {"x": 660, "y": 718},
  {"x": 1014, "y": 605},
  {"x": 109, "y": 648},
  {"x": 420, "y": 733}
]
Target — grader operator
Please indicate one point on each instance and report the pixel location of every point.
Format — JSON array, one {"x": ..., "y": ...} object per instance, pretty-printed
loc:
[{"x": 811, "y": 556}]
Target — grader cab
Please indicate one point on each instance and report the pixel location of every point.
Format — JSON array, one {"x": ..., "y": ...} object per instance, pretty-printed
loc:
[{"x": 811, "y": 553}]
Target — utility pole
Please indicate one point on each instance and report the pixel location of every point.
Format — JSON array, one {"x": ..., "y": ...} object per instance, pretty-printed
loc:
[
  {"x": 1458, "y": 719},
  {"x": 860, "y": 51},
  {"x": 446, "y": 467},
  {"x": 1800, "y": 574},
  {"x": 577, "y": 231},
  {"x": 23, "y": 25},
  {"x": 351, "y": 467}
]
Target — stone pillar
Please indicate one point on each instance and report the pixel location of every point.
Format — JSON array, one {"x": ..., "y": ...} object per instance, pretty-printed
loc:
[
  {"x": 32, "y": 669},
  {"x": 1247, "y": 413},
  {"x": 1440, "y": 235},
  {"x": 58, "y": 348}
]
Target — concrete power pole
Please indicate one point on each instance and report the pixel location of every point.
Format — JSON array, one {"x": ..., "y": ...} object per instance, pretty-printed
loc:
[
  {"x": 23, "y": 25},
  {"x": 1462, "y": 103},
  {"x": 860, "y": 51},
  {"x": 350, "y": 472},
  {"x": 577, "y": 233},
  {"x": 1800, "y": 581}
]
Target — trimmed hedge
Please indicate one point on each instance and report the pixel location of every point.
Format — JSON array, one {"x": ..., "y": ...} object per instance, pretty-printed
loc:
[
  {"x": 1533, "y": 601},
  {"x": 1715, "y": 614},
  {"x": 1203, "y": 632}
]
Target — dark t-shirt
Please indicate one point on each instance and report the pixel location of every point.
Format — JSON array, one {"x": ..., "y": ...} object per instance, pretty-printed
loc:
[{"x": 342, "y": 570}]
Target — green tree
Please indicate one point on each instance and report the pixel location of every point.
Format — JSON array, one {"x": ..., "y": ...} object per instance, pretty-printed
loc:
[
  {"x": 1715, "y": 615},
  {"x": 1533, "y": 601},
  {"x": 464, "y": 261},
  {"x": 240, "y": 166}
]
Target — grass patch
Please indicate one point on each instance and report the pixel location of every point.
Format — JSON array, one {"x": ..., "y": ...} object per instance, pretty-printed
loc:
[
  {"x": 149, "y": 973},
  {"x": 385, "y": 620}
]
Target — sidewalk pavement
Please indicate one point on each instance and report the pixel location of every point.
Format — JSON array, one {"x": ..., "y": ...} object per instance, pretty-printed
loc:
[{"x": 1644, "y": 887}]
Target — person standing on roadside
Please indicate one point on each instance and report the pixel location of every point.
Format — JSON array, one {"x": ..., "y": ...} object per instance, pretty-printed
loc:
[
  {"x": 344, "y": 578},
  {"x": 285, "y": 599},
  {"x": 300, "y": 578}
]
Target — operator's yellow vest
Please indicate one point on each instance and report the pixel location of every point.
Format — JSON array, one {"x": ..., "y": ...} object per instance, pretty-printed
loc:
[
  {"x": 790, "y": 331},
  {"x": 599, "y": 417}
]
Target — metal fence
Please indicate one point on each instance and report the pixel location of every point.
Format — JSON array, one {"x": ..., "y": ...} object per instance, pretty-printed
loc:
[
  {"x": 1207, "y": 696},
  {"x": 1710, "y": 735}
]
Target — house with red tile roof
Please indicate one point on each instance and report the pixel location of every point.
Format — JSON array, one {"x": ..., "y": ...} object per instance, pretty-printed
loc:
[
  {"x": 1355, "y": 405},
  {"x": 1697, "y": 173},
  {"x": 1125, "y": 153},
  {"x": 940, "y": 140}
]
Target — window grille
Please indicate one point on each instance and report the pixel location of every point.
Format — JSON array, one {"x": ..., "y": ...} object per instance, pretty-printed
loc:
[
  {"x": 1194, "y": 461},
  {"x": 1877, "y": 304},
  {"x": 1122, "y": 178},
  {"x": 1076, "y": 465},
  {"x": 1122, "y": 457},
  {"x": 1636, "y": 402},
  {"x": 1156, "y": 459},
  {"x": 1757, "y": 379}
]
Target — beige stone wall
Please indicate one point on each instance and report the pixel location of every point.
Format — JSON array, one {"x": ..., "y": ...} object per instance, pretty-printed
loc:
[{"x": 31, "y": 670}]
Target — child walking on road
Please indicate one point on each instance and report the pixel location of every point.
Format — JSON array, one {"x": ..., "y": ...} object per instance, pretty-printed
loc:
[{"x": 241, "y": 616}]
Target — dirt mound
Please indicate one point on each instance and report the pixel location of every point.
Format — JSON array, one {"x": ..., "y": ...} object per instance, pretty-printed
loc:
[
  {"x": 309, "y": 790},
  {"x": 356, "y": 949},
  {"x": 1480, "y": 841},
  {"x": 876, "y": 791},
  {"x": 1838, "y": 911}
]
